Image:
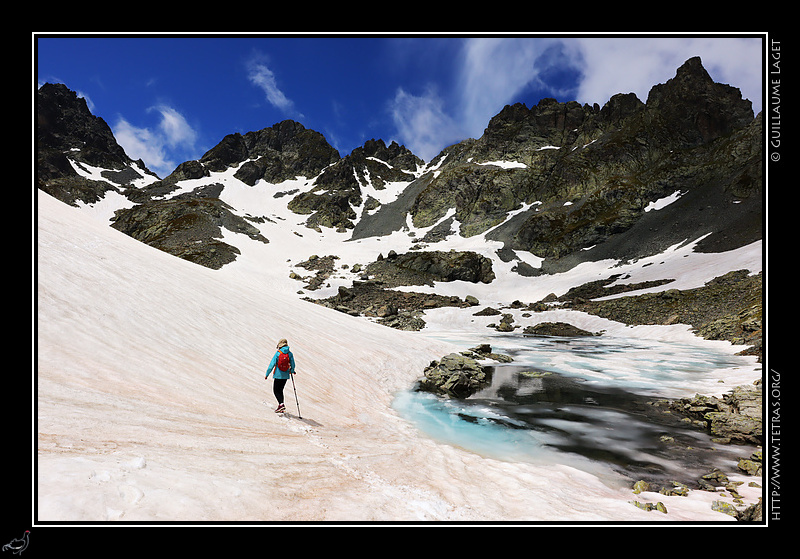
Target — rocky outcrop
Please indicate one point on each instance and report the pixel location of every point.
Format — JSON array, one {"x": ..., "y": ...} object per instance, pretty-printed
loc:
[
  {"x": 187, "y": 228},
  {"x": 373, "y": 296},
  {"x": 560, "y": 329},
  {"x": 68, "y": 134},
  {"x": 589, "y": 174},
  {"x": 460, "y": 375},
  {"x": 339, "y": 188},
  {"x": 734, "y": 418},
  {"x": 427, "y": 267},
  {"x": 283, "y": 151},
  {"x": 402, "y": 310},
  {"x": 729, "y": 307},
  {"x": 455, "y": 375}
]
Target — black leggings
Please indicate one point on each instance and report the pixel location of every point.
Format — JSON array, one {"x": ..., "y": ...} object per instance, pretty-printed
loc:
[{"x": 277, "y": 388}]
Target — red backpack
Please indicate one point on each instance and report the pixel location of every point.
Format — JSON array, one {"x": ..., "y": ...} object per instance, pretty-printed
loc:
[{"x": 283, "y": 361}]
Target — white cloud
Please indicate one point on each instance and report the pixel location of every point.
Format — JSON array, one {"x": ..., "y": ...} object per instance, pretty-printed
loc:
[
  {"x": 141, "y": 143},
  {"x": 625, "y": 65},
  {"x": 493, "y": 72},
  {"x": 262, "y": 77},
  {"x": 172, "y": 140},
  {"x": 174, "y": 127},
  {"x": 422, "y": 123}
]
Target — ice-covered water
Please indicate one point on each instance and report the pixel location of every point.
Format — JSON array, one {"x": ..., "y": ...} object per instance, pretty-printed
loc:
[{"x": 586, "y": 402}]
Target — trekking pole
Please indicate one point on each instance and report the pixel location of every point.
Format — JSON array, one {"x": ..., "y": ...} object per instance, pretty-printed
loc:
[{"x": 295, "y": 397}]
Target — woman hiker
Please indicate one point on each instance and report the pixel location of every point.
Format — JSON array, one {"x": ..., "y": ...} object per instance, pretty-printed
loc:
[{"x": 283, "y": 365}]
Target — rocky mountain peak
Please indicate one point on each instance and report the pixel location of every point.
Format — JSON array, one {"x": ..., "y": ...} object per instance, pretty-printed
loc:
[
  {"x": 66, "y": 130},
  {"x": 282, "y": 151},
  {"x": 589, "y": 174},
  {"x": 698, "y": 108},
  {"x": 578, "y": 179},
  {"x": 64, "y": 123},
  {"x": 395, "y": 155}
]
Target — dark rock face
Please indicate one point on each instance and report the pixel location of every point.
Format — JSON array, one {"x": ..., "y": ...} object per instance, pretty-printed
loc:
[
  {"x": 696, "y": 108},
  {"x": 589, "y": 174},
  {"x": 65, "y": 126},
  {"x": 427, "y": 267},
  {"x": 339, "y": 188},
  {"x": 284, "y": 151}
]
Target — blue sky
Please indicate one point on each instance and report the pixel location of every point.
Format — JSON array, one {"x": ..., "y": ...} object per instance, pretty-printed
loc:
[{"x": 169, "y": 99}]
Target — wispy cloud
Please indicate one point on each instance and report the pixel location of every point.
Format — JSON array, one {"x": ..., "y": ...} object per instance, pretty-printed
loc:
[
  {"x": 174, "y": 128},
  {"x": 262, "y": 77},
  {"x": 493, "y": 71},
  {"x": 422, "y": 122},
  {"x": 489, "y": 73},
  {"x": 172, "y": 141}
]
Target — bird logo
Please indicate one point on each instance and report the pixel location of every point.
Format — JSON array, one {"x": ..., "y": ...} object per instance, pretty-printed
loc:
[{"x": 18, "y": 545}]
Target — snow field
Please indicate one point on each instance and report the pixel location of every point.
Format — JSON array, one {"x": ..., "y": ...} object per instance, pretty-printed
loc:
[
  {"x": 150, "y": 400},
  {"x": 152, "y": 405}
]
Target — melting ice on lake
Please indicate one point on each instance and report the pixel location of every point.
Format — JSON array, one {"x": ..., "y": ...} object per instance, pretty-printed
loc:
[{"x": 586, "y": 402}]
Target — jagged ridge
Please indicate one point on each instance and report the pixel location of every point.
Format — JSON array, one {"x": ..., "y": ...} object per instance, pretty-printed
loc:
[{"x": 565, "y": 181}]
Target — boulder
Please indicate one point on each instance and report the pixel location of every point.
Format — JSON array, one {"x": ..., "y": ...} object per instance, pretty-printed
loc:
[
  {"x": 455, "y": 375},
  {"x": 426, "y": 267},
  {"x": 556, "y": 329}
]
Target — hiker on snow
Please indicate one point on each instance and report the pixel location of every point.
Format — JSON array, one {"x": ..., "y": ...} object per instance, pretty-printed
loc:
[{"x": 283, "y": 365}]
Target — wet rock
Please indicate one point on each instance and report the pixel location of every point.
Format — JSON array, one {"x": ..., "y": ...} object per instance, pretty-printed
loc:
[
  {"x": 455, "y": 375},
  {"x": 557, "y": 329}
]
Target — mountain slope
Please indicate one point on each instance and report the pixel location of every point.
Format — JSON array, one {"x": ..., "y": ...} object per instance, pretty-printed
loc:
[
  {"x": 560, "y": 190},
  {"x": 150, "y": 404},
  {"x": 150, "y": 395},
  {"x": 165, "y": 361},
  {"x": 565, "y": 182}
]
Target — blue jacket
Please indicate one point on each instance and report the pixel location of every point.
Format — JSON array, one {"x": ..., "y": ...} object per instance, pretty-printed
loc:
[{"x": 274, "y": 364}]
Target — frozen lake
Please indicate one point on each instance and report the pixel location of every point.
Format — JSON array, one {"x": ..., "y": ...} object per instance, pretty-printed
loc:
[{"x": 585, "y": 402}]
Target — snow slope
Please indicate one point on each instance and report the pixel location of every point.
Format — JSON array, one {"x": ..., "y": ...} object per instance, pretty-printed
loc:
[{"x": 151, "y": 404}]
